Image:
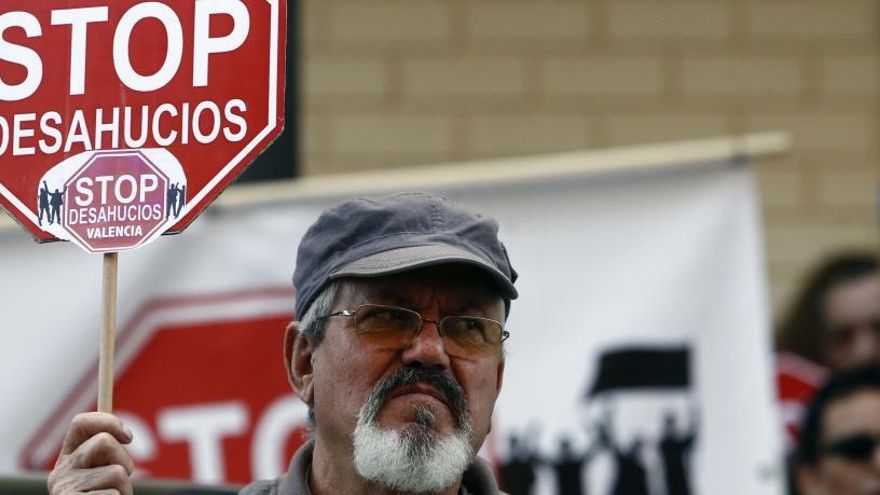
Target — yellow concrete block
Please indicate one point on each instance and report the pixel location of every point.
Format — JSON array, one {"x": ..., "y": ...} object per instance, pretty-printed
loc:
[
  {"x": 383, "y": 22},
  {"x": 847, "y": 75},
  {"x": 823, "y": 130},
  {"x": 669, "y": 20},
  {"x": 842, "y": 19},
  {"x": 358, "y": 162},
  {"x": 805, "y": 242},
  {"x": 526, "y": 22},
  {"x": 856, "y": 189},
  {"x": 742, "y": 76},
  {"x": 314, "y": 135},
  {"x": 599, "y": 76},
  {"x": 779, "y": 188},
  {"x": 651, "y": 128},
  {"x": 391, "y": 134},
  {"x": 484, "y": 77},
  {"x": 331, "y": 77},
  {"x": 523, "y": 134}
]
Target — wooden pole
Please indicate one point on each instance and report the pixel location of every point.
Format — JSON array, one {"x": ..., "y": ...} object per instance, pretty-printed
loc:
[{"x": 108, "y": 334}]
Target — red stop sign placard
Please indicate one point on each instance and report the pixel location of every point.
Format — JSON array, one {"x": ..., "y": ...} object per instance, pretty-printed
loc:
[
  {"x": 201, "y": 383},
  {"x": 200, "y": 83}
]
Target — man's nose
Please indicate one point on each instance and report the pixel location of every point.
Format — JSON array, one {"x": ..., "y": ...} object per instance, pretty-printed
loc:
[{"x": 427, "y": 347}]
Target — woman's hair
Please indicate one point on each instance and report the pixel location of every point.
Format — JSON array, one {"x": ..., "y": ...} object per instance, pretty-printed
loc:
[{"x": 800, "y": 330}]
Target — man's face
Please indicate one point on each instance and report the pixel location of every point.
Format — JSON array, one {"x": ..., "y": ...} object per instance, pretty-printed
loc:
[
  {"x": 846, "y": 418},
  {"x": 852, "y": 316},
  {"x": 347, "y": 366}
]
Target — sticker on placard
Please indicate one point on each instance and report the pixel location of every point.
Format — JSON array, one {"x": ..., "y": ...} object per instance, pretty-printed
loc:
[{"x": 112, "y": 200}]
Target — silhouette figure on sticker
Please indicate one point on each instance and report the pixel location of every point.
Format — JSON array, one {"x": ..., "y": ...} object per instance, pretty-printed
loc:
[
  {"x": 675, "y": 452},
  {"x": 518, "y": 472},
  {"x": 175, "y": 200},
  {"x": 631, "y": 477},
  {"x": 56, "y": 201},
  {"x": 44, "y": 204},
  {"x": 170, "y": 200},
  {"x": 181, "y": 200}
]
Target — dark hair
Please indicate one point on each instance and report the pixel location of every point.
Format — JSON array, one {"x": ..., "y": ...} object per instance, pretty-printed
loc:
[
  {"x": 839, "y": 386},
  {"x": 801, "y": 329}
]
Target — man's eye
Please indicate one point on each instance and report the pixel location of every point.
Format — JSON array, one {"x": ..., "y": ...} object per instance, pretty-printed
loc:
[
  {"x": 396, "y": 314},
  {"x": 473, "y": 324},
  {"x": 386, "y": 316}
]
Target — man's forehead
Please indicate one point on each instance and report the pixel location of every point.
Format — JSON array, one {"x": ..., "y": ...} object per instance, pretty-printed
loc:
[
  {"x": 856, "y": 412},
  {"x": 463, "y": 285}
]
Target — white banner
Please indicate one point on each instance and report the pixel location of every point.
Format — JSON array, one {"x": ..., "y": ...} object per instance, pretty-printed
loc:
[{"x": 638, "y": 362}]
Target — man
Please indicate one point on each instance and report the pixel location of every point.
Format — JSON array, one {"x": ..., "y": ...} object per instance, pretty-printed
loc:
[
  {"x": 838, "y": 452},
  {"x": 397, "y": 351}
]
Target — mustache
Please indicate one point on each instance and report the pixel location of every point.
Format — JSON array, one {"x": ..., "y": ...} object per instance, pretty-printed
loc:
[{"x": 403, "y": 377}]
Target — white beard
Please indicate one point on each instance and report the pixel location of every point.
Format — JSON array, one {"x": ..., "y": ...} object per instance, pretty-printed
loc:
[{"x": 414, "y": 459}]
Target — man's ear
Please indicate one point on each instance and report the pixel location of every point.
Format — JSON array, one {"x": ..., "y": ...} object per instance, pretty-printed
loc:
[{"x": 298, "y": 349}]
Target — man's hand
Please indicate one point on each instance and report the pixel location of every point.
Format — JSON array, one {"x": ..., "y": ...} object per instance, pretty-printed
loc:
[{"x": 92, "y": 459}]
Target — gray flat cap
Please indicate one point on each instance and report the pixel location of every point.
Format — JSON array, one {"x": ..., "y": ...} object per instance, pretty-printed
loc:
[{"x": 391, "y": 234}]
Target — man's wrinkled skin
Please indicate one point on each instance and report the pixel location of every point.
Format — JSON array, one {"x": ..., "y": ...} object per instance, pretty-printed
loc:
[
  {"x": 336, "y": 376},
  {"x": 93, "y": 459}
]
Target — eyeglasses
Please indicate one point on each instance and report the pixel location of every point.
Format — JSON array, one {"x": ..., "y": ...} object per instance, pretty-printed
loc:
[
  {"x": 390, "y": 327},
  {"x": 859, "y": 447}
]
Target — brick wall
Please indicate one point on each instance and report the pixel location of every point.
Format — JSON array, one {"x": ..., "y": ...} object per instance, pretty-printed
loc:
[{"x": 390, "y": 83}]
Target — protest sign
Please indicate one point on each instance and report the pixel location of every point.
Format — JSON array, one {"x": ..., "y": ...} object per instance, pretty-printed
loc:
[{"x": 121, "y": 121}]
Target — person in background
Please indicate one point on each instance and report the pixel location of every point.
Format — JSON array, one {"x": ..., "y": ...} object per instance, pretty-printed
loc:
[
  {"x": 833, "y": 324},
  {"x": 839, "y": 448},
  {"x": 835, "y": 320}
]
